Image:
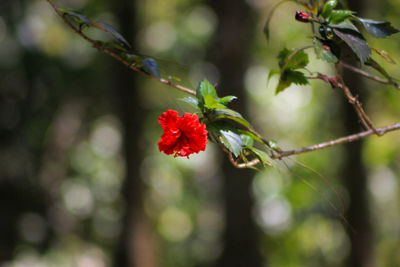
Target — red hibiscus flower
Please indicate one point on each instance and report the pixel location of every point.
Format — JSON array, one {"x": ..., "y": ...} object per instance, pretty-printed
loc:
[{"x": 182, "y": 135}]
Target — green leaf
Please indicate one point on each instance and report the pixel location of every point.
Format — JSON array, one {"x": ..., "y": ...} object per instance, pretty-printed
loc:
[
  {"x": 109, "y": 29},
  {"x": 324, "y": 52},
  {"x": 259, "y": 154},
  {"x": 266, "y": 26},
  {"x": 190, "y": 100},
  {"x": 327, "y": 9},
  {"x": 204, "y": 88},
  {"x": 150, "y": 66},
  {"x": 345, "y": 25},
  {"x": 210, "y": 102},
  {"x": 228, "y": 136},
  {"x": 378, "y": 29},
  {"x": 338, "y": 16},
  {"x": 272, "y": 73},
  {"x": 384, "y": 55},
  {"x": 78, "y": 18},
  {"x": 372, "y": 63},
  {"x": 247, "y": 140},
  {"x": 288, "y": 77},
  {"x": 226, "y": 113},
  {"x": 227, "y": 99},
  {"x": 293, "y": 59},
  {"x": 253, "y": 136},
  {"x": 113, "y": 45},
  {"x": 356, "y": 42}
]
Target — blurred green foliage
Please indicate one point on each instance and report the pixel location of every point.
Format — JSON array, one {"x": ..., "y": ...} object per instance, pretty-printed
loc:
[{"x": 61, "y": 141}]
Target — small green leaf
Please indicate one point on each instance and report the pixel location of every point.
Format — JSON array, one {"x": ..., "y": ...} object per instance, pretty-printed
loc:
[
  {"x": 113, "y": 45},
  {"x": 293, "y": 59},
  {"x": 226, "y": 113},
  {"x": 272, "y": 73},
  {"x": 150, "y": 66},
  {"x": 338, "y": 16},
  {"x": 253, "y": 136},
  {"x": 78, "y": 18},
  {"x": 203, "y": 89},
  {"x": 378, "y": 29},
  {"x": 327, "y": 9},
  {"x": 288, "y": 77},
  {"x": 190, "y": 100},
  {"x": 324, "y": 52},
  {"x": 227, "y": 99},
  {"x": 345, "y": 25},
  {"x": 109, "y": 29},
  {"x": 384, "y": 55},
  {"x": 247, "y": 140},
  {"x": 372, "y": 63},
  {"x": 259, "y": 154},
  {"x": 356, "y": 42},
  {"x": 273, "y": 144},
  {"x": 210, "y": 102},
  {"x": 228, "y": 136}
]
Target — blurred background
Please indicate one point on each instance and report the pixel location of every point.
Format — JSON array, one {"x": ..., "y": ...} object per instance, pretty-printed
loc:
[{"x": 82, "y": 182}]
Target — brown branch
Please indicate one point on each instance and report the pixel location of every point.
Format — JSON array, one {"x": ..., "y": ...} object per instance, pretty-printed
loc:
[
  {"x": 116, "y": 56},
  {"x": 365, "y": 120},
  {"x": 341, "y": 140},
  {"x": 368, "y": 75}
]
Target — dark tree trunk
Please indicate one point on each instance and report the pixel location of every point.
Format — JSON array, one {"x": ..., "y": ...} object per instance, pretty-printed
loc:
[
  {"x": 135, "y": 246},
  {"x": 355, "y": 176},
  {"x": 240, "y": 243}
]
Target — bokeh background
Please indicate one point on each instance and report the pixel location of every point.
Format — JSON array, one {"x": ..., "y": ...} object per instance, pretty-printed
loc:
[{"x": 82, "y": 182}]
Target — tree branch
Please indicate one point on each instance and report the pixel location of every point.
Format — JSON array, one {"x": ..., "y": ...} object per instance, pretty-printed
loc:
[
  {"x": 341, "y": 140},
  {"x": 116, "y": 56},
  {"x": 368, "y": 75}
]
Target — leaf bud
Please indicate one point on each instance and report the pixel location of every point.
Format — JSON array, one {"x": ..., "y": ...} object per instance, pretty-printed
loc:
[{"x": 302, "y": 16}]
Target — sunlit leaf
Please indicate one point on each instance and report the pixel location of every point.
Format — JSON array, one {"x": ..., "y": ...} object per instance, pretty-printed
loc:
[
  {"x": 324, "y": 52},
  {"x": 356, "y": 42},
  {"x": 378, "y": 29},
  {"x": 292, "y": 59},
  {"x": 338, "y": 16},
  {"x": 210, "y": 102},
  {"x": 150, "y": 66},
  {"x": 109, "y": 29},
  {"x": 227, "y": 99},
  {"x": 327, "y": 9},
  {"x": 203, "y": 89},
  {"x": 228, "y": 136},
  {"x": 288, "y": 77}
]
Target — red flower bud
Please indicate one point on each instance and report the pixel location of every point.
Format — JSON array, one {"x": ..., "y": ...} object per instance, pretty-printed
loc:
[
  {"x": 302, "y": 16},
  {"x": 182, "y": 135}
]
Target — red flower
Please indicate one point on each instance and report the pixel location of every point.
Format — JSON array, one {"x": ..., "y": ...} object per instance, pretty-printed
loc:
[
  {"x": 302, "y": 16},
  {"x": 182, "y": 135}
]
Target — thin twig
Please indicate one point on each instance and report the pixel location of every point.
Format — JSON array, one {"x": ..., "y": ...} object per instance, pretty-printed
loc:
[
  {"x": 117, "y": 57},
  {"x": 365, "y": 120},
  {"x": 341, "y": 140},
  {"x": 368, "y": 75}
]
